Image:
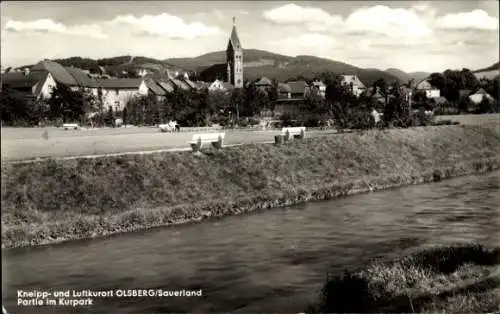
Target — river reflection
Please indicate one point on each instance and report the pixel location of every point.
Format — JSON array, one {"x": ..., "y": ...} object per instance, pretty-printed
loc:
[{"x": 272, "y": 261}]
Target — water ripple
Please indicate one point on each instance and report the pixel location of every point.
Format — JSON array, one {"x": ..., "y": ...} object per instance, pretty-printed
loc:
[{"x": 271, "y": 261}]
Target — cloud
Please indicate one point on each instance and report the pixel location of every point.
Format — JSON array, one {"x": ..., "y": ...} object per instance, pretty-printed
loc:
[
  {"x": 476, "y": 19},
  {"x": 375, "y": 19},
  {"x": 49, "y": 26},
  {"x": 165, "y": 25},
  {"x": 292, "y": 14},
  {"x": 387, "y": 21}
]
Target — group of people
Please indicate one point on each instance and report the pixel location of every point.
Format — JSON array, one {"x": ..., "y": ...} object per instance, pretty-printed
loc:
[{"x": 171, "y": 126}]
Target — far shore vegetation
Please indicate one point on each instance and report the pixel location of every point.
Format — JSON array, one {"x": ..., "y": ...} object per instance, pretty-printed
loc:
[{"x": 338, "y": 108}]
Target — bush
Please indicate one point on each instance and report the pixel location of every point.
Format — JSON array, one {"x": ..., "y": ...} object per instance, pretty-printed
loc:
[
  {"x": 253, "y": 121},
  {"x": 425, "y": 277}
]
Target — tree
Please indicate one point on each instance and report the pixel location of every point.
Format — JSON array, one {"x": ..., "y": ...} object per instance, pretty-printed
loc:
[
  {"x": 273, "y": 91},
  {"x": 17, "y": 108},
  {"x": 382, "y": 87},
  {"x": 492, "y": 87},
  {"x": 70, "y": 105},
  {"x": 125, "y": 115},
  {"x": 437, "y": 80},
  {"x": 109, "y": 119}
]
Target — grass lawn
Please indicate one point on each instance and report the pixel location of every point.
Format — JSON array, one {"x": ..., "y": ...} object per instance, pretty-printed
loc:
[{"x": 55, "y": 200}]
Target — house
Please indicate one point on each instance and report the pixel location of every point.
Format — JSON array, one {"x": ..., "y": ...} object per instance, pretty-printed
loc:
[
  {"x": 317, "y": 87},
  {"x": 287, "y": 106},
  {"x": 479, "y": 95},
  {"x": 60, "y": 74},
  {"x": 155, "y": 90},
  {"x": 116, "y": 93},
  {"x": 215, "y": 86},
  {"x": 37, "y": 84},
  {"x": 220, "y": 86},
  {"x": 284, "y": 91},
  {"x": 83, "y": 80},
  {"x": 202, "y": 85},
  {"x": 430, "y": 91},
  {"x": 355, "y": 85},
  {"x": 297, "y": 89}
]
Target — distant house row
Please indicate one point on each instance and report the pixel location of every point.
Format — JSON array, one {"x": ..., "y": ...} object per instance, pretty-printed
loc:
[
  {"x": 39, "y": 81},
  {"x": 432, "y": 92},
  {"x": 301, "y": 89}
]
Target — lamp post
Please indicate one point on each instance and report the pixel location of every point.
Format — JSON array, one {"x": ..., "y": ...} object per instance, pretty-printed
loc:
[{"x": 409, "y": 101}]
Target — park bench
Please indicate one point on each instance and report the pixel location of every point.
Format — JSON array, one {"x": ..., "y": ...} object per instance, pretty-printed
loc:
[
  {"x": 70, "y": 126},
  {"x": 198, "y": 140},
  {"x": 294, "y": 132}
]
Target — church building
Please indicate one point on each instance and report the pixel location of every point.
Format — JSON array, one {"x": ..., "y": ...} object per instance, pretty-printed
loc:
[
  {"x": 232, "y": 70},
  {"x": 234, "y": 59}
]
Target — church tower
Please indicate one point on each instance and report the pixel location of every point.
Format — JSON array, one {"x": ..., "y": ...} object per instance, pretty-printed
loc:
[{"x": 234, "y": 59}]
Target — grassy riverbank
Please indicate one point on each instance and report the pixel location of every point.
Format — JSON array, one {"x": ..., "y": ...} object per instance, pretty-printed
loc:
[
  {"x": 456, "y": 279},
  {"x": 52, "y": 201}
]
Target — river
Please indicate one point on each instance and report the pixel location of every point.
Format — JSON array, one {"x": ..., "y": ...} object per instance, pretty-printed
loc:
[{"x": 272, "y": 261}]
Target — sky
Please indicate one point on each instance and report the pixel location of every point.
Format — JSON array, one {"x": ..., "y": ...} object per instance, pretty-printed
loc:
[{"x": 409, "y": 35}]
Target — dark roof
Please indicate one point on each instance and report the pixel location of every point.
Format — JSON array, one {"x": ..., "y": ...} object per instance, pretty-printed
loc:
[
  {"x": 481, "y": 91},
  {"x": 154, "y": 88},
  {"x": 234, "y": 40},
  {"x": 59, "y": 73},
  {"x": 20, "y": 80},
  {"x": 124, "y": 83},
  {"x": 167, "y": 86},
  {"x": 180, "y": 84},
  {"x": 81, "y": 78},
  {"x": 297, "y": 87},
  {"x": 190, "y": 83}
]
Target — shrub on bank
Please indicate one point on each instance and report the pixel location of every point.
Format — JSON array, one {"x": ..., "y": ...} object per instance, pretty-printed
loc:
[{"x": 415, "y": 283}]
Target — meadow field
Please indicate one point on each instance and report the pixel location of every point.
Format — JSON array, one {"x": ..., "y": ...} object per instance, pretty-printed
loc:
[
  {"x": 29, "y": 143},
  {"x": 26, "y": 143},
  {"x": 473, "y": 119}
]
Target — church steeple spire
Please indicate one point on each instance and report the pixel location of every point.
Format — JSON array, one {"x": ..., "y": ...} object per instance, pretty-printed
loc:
[{"x": 234, "y": 58}]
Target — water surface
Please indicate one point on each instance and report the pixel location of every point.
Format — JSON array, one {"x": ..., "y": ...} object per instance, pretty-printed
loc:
[{"x": 272, "y": 261}]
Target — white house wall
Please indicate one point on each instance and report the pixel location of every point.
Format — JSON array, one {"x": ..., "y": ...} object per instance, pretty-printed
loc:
[
  {"x": 48, "y": 84},
  {"x": 477, "y": 98},
  {"x": 433, "y": 93},
  {"x": 118, "y": 98}
]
